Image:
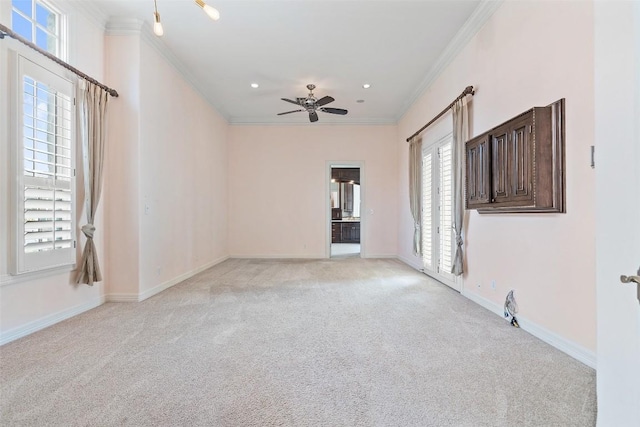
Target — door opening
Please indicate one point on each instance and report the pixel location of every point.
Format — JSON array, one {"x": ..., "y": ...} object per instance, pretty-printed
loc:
[{"x": 345, "y": 204}]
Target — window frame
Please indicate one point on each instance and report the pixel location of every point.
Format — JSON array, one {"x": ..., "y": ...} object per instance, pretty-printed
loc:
[
  {"x": 42, "y": 70},
  {"x": 62, "y": 39}
]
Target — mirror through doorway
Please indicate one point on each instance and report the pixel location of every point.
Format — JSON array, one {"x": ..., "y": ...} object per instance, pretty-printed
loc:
[{"x": 345, "y": 211}]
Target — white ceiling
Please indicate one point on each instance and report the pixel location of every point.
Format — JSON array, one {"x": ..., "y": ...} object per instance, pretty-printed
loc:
[{"x": 283, "y": 45}]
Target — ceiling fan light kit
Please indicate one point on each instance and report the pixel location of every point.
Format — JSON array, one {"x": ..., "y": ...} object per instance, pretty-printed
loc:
[
  {"x": 312, "y": 105},
  {"x": 211, "y": 11}
]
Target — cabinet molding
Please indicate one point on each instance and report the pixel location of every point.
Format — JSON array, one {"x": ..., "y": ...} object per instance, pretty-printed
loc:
[{"x": 519, "y": 165}]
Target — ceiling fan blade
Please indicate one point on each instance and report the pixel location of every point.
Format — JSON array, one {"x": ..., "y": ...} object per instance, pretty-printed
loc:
[
  {"x": 289, "y": 112},
  {"x": 313, "y": 116},
  {"x": 324, "y": 101},
  {"x": 340, "y": 111},
  {"x": 291, "y": 101}
]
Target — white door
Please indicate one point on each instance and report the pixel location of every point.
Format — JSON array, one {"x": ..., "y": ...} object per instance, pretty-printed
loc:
[
  {"x": 617, "y": 141},
  {"x": 438, "y": 238}
]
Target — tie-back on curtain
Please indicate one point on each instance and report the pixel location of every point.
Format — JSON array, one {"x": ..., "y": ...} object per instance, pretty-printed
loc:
[
  {"x": 93, "y": 110},
  {"x": 415, "y": 191},
  {"x": 460, "y": 136}
]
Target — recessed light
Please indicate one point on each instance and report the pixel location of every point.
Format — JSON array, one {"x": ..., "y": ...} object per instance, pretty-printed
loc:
[
  {"x": 360, "y": 101},
  {"x": 255, "y": 85},
  {"x": 366, "y": 85}
]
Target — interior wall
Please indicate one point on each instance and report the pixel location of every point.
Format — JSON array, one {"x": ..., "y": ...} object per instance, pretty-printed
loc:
[
  {"x": 527, "y": 54},
  {"x": 183, "y": 175},
  {"x": 166, "y": 183},
  {"x": 32, "y": 301},
  {"x": 121, "y": 180},
  {"x": 278, "y": 198}
]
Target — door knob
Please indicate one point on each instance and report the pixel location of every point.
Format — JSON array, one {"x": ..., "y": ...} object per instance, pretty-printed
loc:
[
  {"x": 629, "y": 279},
  {"x": 634, "y": 279}
]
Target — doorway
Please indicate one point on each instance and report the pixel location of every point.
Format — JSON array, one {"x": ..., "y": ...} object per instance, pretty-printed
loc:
[{"x": 345, "y": 204}]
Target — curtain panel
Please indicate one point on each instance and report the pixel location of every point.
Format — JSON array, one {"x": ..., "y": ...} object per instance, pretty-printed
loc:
[
  {"x": 415, "y": 191},
  {"x": 460, "y": 136},
  {"x": 93, "y": 112}
]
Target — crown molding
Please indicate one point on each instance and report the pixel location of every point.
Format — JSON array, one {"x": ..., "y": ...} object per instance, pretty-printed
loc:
[
  {"x": 156, "y": 43},
  {"x": 89, "y": 10},
  {"x": 476, "y": 21},
  {"x": 123, "y": 26}
]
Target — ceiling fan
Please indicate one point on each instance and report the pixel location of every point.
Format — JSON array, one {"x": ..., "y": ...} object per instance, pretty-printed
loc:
[{"x": 312, "y": 105}]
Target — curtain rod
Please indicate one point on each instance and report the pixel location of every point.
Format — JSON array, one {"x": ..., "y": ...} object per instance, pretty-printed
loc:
[
  {"x": 4, "y": 31},
  {"x": 467, "y": 91}
]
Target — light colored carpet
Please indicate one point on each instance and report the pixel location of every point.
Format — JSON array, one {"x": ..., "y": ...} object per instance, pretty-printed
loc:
[{"x": 345, "y": 342}]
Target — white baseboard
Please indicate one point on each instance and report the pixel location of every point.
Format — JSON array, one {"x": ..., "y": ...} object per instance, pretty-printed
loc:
[
  {"x": 412, "y": 262},
  {"x": 166, "y": 285},
  {"x": 131, "y": 297},
  {"x": 121, "y": 297},
  {"x": 277, "y": 256},
  {"x": 49, "y": 320},
  {"x": 569, "y": 347},
  {"x": 380, "y": 256}
]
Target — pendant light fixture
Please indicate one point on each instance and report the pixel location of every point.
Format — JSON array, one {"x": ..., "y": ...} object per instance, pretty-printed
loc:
[
  {"x": 157, "y": 25},
  {"x": 211, "y": 12}
]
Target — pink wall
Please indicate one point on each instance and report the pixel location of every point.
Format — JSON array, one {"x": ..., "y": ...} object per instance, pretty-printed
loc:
[
  {"x": 183, "y": 175},
  {"x": 32, "y": 301},
  {"x": 121, "y": 170},
  {"x": 166, "y": 180},
  {"x": 278, "y": 188},
  {"x": 528, "y": 54}
]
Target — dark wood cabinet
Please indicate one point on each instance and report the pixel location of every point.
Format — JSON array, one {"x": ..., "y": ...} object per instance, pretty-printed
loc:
[
  {"x": 336, "y": 232},
  {"x": 518, "y": 166},
  {"x": 346, "y": 175},
  {"x": 345, "y": 232},
  {"x": 477, "y": 173}
]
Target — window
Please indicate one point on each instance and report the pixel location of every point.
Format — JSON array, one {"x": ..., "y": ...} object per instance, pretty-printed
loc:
[
  {"x": 44, "y": 190},
  {"x": 437, "y": 208},
  {"x": 40, "y": 23}
]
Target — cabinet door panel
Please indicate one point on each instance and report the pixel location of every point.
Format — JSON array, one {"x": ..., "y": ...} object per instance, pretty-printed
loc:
[
  {"x": 520, "y": 161},
  {"x": 500, "y": 154},
  {"x": 336, "y": 233},
  {"x": 478, "y": 176}
]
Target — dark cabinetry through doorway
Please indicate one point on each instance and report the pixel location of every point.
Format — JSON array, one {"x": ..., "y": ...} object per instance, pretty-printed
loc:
[
  {"x": 345, "y": 205},
  {"x": 345, "y": 232}
]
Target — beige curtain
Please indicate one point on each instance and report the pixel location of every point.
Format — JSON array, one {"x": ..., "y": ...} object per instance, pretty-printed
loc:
[
  {"x": 415, "y": 191},
  {"x": 460, "y": 136},
  {"x": 93, "y": 110}
]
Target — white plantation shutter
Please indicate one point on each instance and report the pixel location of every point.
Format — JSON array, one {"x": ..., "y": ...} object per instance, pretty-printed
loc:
[
  {"x": 427, "y": 222},
  {"x": 446, "y": 208},
  {"x": 47, "y": 219},
  {"x": 45, "y": 185},
  {"x": 437, "y": 208}
]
